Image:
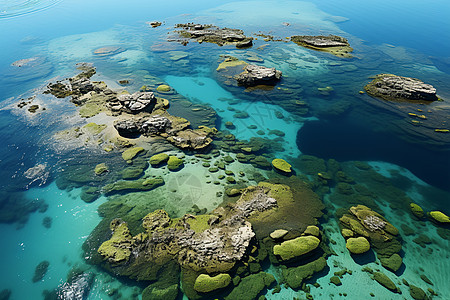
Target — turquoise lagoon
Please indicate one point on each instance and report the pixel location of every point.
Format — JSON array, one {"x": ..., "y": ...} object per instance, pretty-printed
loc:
[{"x": 407, "y": 38}]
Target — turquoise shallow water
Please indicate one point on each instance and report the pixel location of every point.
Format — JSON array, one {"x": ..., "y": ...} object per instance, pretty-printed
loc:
[{"x": 300, "y": 116}]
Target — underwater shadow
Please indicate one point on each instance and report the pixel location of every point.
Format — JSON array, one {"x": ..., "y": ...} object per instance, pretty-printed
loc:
[
  {"x": 365, "y": 258},
  {"x": 344, "y": 141}
]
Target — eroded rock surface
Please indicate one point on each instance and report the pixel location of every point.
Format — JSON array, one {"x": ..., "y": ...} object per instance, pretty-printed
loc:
[
  {"x": 333, "y": 44},
  {"x": 393, "y": 87},
  {"x": 258, "y": 75}
]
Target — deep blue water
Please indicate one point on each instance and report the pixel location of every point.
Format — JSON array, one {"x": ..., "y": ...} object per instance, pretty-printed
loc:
[{"x": 408, "y": 38}]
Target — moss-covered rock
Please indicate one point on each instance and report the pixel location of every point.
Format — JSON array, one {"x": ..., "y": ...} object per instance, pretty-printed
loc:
[
  {"x": 89, "y": 194},
  {"x": 335, "y": 280},
  {"x": 358, "y": 245},
  {"x": 392, "y": 263},
  {"x": 132, "y": 173},
  {"x": 278, "y": 234},
  {"x": 416, "y": 210},
  {"x": 296, "y": 247},
  {"x": 158, "y": 159},
  {"x": 312, "y": 230},
  {"x": 174, "y": 163},
  {"x": 117, "y": 248},
  {"x": 94, "y": 128},
  {"x": 131, "y": 153},
  {"x": 205, "y": 283},
  {"x": 281, "y": 165},
  {"x": 154, "y": 293},
  {"x": 439, "y": 217},
  {"x": 385, "y": 281},
  {"x": 294, "y": 276},
  {"x": 100, "y": 169},
  {"x": 143, "y": 184},
  {"x": 251, "y": 286},
  {"x": 417, "y": 293},
  {"x": 164, "y": 88},
  {"x": 346, "y": 233}
]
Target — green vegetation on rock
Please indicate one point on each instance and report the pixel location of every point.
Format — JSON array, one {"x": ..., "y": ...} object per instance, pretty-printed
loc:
[
  {"x": 174, "y": 163},
  {"x": 94, "y": 128},
  {"x": 417, "y": 293},
  {"x": 205, "y": 283},
  {"x": 158, "y": 159},
  {"x": 439, "y": 217},
  {"x": 385, "y": 281},
  {"x": 100, "y": 169},
  {"x": 281, "y": 165},
  {"x": 143, "y": 184},
  {"x": 129, "y": 154},
  {"x": 392, "y": 263},
  {"x": 115, "y": 249},
  {"x": 295, "y": 276},
  {"x": 251, "y": 286},
  {"x": 416, "y": 210},
  {"x": 296, "y": 247},
  {"x": 163, "y": 88},
  {"x": 358, "y": 245}
]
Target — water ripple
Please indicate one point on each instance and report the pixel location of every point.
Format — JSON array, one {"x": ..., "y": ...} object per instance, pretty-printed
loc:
[{"x": 14, "y": 8}]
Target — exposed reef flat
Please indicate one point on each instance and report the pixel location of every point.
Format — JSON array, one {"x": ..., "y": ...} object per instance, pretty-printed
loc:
[
  {"x": 333, "y": 44},
  {"x": 397, "y": 88},
  {"x": 213, "y": 34}
]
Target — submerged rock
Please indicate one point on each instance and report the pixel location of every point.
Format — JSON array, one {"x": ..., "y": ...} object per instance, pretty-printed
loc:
[
  {"x": 258, "y": 75},
  {"x": 251, "y": 286},
  {"x": 205, "y": 283},
  {"x": 393, "y": 87},
  {"x": 294, "y": 276},
  {"x": 385, "y": 281},
  {"x": 212, "y": 34},
  {"x": 333, "y": 44},
  {"x": 40, "y": 271}
]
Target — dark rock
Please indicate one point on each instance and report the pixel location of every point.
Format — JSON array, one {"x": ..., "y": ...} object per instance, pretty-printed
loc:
[
  {"x": 393, "y": 87},
  {"x": 156, "y": 125},
  {"x": 40, "y": 271},
  {"x": 138, "y": 101},
  {"x": 258, "y": 75},
  {"x": 5, "y": 294},
  {"x": 128, "y": 128}
]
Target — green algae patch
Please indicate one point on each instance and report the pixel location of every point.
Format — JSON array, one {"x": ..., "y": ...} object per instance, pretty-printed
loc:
[
  {"x": 117, "y": 249},
  {"x": 392, "y": 263},
  {"x": 199, "y": 223},
  {"x": 144, "y": 184},
  {"x": 281, "y": 165},
  {"x": 251, "y": 286},
  {"x": 131, "y": 173},
  {"x": 100, "y": 169},
  {"x": 296, "y": 247},
  {"x": 174, "y": 163},
  {"x": 295, "y": 276},
  {"x": 153, "y": 293},
  {"x": 385, "y": 281},
  {"x": 131, "y": 153},
  {"x": 164, "y": 88},
  {"x": 358, "y": 245},
  {"x": 312, "y": 230},
  {"x": 94, "y": 128},
  {"x": 417, "y": 293},
  {"x": 439, "y": 217},
  {"x": 158, "y": 159},
  {"x": 416, "y": 210},
  {"x": 231, "y": 62},
  {"x": 205, "y": 283}
]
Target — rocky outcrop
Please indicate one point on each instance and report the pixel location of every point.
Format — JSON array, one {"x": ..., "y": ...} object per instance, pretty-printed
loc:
[
  {"x": 258, "y": 75},
  {"x": 333, "y": 44},
  {"x": 395, "y": 88},
  {"x": 138, "y": 101},
  {"x": 212, "y": 34}
]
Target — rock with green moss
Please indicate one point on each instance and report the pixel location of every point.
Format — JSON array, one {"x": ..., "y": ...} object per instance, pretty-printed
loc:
[
  {"x": 230, "y": 179},
  {"x": 154, "y": 293},
  {"x": 100, "y": 169},
  {"x": 296, "y": 247},
  {"x": 392, "y": 263},
  {"x": 163, "y": 88},
  {"x": 159, "y": 159},
  {"x": 278, "y": 234},
  {"x": 385, "y": 281},
  {"x": 281, "y": 165},
  {"x": 251, "y": 286},
  {"x": 131, "y": 153},
  {"x": 358, "y": 245},
  {"x": 94, "y": 128},
  {"x": 335, "y": 280},
  {"x": 143, "y": 184},
  {"x": 132, "y": 173},
  {"x": 89, "y": 194},
  {"x": 346, "y": 233},
  {"x": 118, "y": 248},
  {"x": 294, "y": 276},
  {"x": 174, "y": 163},
  {"x": 417, "y": 293},
  {"x": 439, "y": 217},
  {"x": 312, "y": 230},
  {"x": 205, "y": 283},
  {"x": 416, "y": 210}
]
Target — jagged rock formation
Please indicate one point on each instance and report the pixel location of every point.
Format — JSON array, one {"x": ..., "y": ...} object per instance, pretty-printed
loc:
[
  {"x": 212, "y": 34},
  {"x": 393, "y": 87},
  {"x": 258, "y": 75}
]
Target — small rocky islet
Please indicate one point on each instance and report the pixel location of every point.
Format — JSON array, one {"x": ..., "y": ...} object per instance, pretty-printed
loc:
[{"x": 224, "y": 252}]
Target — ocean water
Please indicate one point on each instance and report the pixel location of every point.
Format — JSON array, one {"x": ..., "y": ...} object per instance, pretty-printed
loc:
[{"x": 316, "y": 110}]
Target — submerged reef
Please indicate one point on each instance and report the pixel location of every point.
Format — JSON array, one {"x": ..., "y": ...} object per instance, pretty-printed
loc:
[
  {"x": 213, "y": 34},
  {"x": 333, "y": 44},
  {"x": 208, "y": 250},
  {"x": 258, "y": 75}
]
